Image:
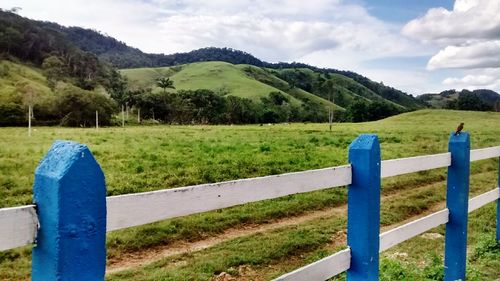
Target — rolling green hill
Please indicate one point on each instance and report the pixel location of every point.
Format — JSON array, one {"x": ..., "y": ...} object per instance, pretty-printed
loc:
[
  {"x": 301, "y": 85},
  {"x": 452, "y": 99},
  {"x": 223, "y": 78}
]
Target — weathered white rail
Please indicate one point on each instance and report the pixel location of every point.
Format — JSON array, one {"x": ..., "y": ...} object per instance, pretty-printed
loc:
[
  {"x": 483, "y": 199},
  {"x": 484, "y": 153},
  {"x": 322, "y": 269},
  {"x": 18, "y": 226},
  {"x": 142, "y": 208},
  {"x": 396, "y": 167},
  {"x": 404, "y": 232}
]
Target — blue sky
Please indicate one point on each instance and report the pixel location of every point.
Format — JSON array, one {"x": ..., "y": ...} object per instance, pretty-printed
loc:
[
  {"x": 402, "y": 11},
  {"x": 417, "y": 46}
]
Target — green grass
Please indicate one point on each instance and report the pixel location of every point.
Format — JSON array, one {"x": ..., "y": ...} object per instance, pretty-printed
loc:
[
  {"x": 138, "y": 159},
  {"x": 215, "y": 76},
  {"x": 15, "y": 76},
  {"x": 267, "y": 77}
]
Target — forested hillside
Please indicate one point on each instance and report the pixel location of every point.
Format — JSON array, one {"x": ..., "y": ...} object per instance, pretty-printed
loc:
[
  {"x": 302, "y": 94},
  {"x": 478, "y": 100},
  {"x": 122, "y": 56},
  {"x": 68, "y": 73},
  {"x": 40, "y": 67}
]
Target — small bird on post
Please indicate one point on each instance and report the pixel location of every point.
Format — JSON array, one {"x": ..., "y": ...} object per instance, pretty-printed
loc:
[{"x": 459, "y": 129}]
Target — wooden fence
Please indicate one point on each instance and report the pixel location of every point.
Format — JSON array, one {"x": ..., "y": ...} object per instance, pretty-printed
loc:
[{"x": 71, "y": 214}]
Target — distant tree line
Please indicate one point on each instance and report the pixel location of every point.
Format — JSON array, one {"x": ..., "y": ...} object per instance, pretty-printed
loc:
[
  {"x": 468, "y": 100},
  {"x": 204, "y": 106},
  {"x": 69, "y": 106}
]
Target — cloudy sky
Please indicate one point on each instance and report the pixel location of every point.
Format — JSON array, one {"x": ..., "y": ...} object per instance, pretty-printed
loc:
[{"x": 417, "y": 46}]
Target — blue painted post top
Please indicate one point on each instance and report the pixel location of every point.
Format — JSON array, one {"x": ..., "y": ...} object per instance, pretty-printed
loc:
[
  {"x": 457, "y": 202},
  {"x": 70, "y": 194},
  {"x": 363, "y": 209}
]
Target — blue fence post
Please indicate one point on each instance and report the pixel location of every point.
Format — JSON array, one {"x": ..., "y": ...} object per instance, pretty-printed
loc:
[
  {"x": 70, "y": 195},
  {"x": 363, "y": 209},
  {"x": 457, "y": 202}
]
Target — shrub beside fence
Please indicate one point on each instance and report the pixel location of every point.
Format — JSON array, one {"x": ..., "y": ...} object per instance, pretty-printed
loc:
[{"x": 71, "y": 214}]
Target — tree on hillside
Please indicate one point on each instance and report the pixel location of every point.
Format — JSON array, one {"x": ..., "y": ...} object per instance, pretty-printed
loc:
[
  {"x": 470, "y": 101},
  {"x": 358, "y": 111},
  {"x": 77, "y": 107},
  {"x": 54, "y": 70},
  {"x": 165, "y": 83}
]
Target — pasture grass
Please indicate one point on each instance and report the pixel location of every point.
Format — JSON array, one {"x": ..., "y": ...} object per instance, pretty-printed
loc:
[
  {"x": 216, "y": 76},
  {"x": 136, "y": 159}
]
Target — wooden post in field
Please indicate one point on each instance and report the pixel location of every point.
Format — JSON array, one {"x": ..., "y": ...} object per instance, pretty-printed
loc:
[
  {"x": 363, "y": 209},
  {"x": 457, "y": 202},
  {"x": 30, "y": 109},
  {"x": 97, "y": 120},
  {"x": 70, "y": 195},
  {"x": 330, "y": 115},
  {"x": 123, "y": 117},
  {"x": 138, "y": 115}
]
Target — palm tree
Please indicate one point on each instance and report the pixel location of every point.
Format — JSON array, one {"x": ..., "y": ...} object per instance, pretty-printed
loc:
[{"x": 165, "y": 83}]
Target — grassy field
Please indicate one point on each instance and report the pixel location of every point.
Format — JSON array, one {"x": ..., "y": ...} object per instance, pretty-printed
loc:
[{"x": 138, "y": 159}]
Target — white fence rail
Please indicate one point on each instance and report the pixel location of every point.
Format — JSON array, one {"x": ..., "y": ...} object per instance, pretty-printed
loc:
[
  {"x": 142, "y": 208},
  {"x": 322, "y": 269},
  {"x": 18, "y": 226},
  {"x": 396, "y": 167},
  {"x": 404, "y": 232},
  {"x": 484, "y": 153}
]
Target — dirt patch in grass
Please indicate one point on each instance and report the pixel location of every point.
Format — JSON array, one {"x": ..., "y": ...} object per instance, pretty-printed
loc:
[{"x": 146, "y": 256}]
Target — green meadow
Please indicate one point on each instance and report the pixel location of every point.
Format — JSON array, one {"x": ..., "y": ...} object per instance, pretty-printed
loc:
[{"x": 145, "y": 158}]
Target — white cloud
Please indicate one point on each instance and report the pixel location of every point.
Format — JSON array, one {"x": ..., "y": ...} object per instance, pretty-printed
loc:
[
  {"x": 477, "y": 55},
  {"x": 468, "y": 19},
  {"x": 483, "y": 79},
  {"x": 469, "y": 36}
]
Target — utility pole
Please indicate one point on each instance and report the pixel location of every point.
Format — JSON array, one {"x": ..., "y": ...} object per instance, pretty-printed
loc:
[{"x": 29, "y": 96}]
